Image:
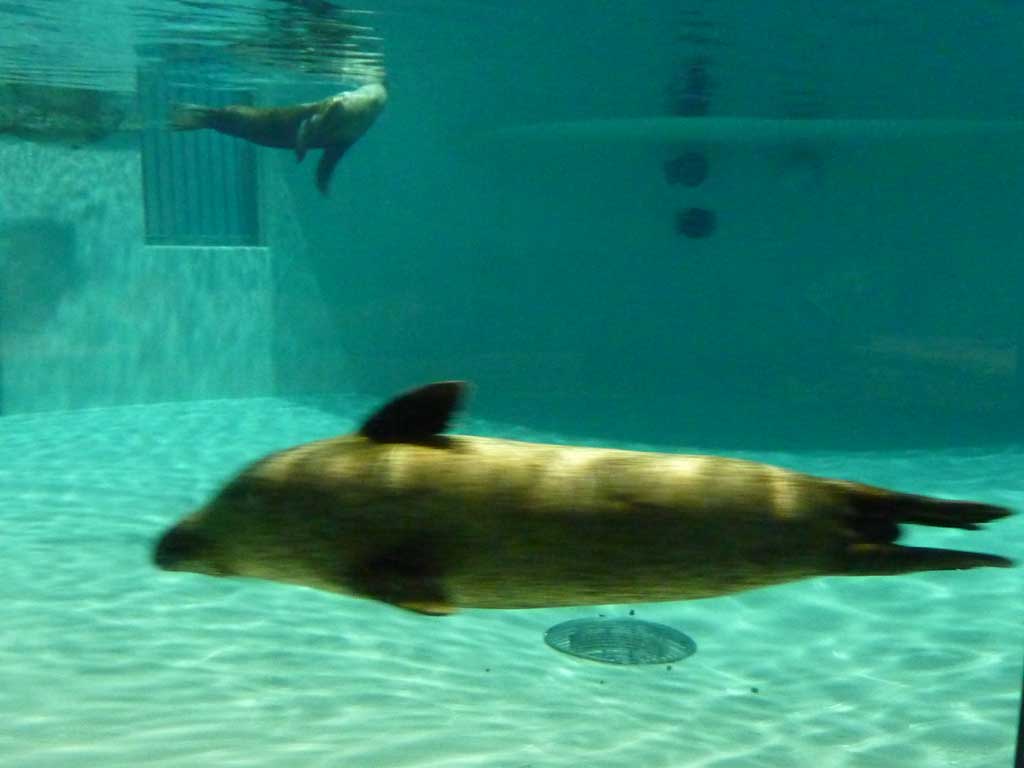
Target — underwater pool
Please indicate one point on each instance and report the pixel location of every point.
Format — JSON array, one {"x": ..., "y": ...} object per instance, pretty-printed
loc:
[
  {"x": 786, "y": 231},
  {"x": 108, "y": 661}
]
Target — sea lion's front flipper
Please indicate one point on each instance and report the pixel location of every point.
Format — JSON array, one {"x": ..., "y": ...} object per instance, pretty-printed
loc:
[
  {"x": 302, "y": 136},
  {"x": 417, "y": 415},
  {"x": 328, "y": 160},
  {"x": 429, "y": 609},
  {"x": 406, "y": 576}
]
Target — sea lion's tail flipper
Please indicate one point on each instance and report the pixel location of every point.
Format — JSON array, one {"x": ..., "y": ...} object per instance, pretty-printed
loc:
[
  {"x": 190, "y": 117},
  {"x": 876, "y": 516},
  {"x": 328, "y": 160}
]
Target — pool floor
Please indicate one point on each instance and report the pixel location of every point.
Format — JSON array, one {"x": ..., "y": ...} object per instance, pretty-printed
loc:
[{"x": 107, "y": 661}]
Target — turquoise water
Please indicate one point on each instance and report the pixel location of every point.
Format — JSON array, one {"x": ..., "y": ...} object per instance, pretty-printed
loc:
[
  {"x": 107, "y": 661},
  {"x": 837, "y": 291}
]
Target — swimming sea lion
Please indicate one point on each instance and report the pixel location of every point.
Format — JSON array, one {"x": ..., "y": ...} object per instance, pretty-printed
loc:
[
  {"x": 399, "y": 512},
  {"x": 333, "y": 124}
]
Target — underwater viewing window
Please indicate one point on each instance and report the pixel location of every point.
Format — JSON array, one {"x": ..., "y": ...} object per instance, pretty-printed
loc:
[
  {"x": 511, "y": 384},
  {"x": 199, "y": 188}
]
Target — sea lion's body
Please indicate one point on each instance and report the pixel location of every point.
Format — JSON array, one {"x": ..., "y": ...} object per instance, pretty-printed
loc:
[
  {"x": 333, "y": 124},
  {"x": 269, "y": 126},
  {"x": 440, "y": 522}
]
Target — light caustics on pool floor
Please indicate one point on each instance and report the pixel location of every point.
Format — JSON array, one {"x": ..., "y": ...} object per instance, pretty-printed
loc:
[{"x": 107, "y": 661}]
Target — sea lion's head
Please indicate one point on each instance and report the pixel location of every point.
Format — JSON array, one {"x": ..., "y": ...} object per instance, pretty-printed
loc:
[
  {"x": 343, "y": 118},
  {"x": 266, "y": 523},
  {"x": 207, "y": 540},
  {"x": 187, "y": 548},
  {"x": 299, "y": 515}
]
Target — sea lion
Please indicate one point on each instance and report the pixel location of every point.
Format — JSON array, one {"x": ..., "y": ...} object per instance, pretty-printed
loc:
[
  {"x": 401, "y": 513},
  {"x": 334, "y": 124}
]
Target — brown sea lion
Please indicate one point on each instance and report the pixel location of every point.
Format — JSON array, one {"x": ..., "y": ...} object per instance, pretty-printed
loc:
[
  {"x": 399, "y": 512},
  {"x": 334, "y": 124}
]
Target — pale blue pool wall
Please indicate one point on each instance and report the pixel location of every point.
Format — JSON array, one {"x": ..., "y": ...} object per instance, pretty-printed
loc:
[
  {"x": 149, "y": 323},
  {"x": 824, "y": 306}
]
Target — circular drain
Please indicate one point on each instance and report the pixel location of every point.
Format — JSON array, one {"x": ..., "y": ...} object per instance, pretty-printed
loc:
[{"x": 620, "y": 641}]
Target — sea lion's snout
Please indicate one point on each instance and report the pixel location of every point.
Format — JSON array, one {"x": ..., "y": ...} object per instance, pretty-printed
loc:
[
  {"x": 185, "y": 549},
  {"x": 175, "y": 547}
]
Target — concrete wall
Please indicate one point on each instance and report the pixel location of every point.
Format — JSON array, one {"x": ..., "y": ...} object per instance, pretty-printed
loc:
[
  {"x": 135, "y": 324},
  {"x": 859, "y": 294},
  {"x": 307, "y": 351}
]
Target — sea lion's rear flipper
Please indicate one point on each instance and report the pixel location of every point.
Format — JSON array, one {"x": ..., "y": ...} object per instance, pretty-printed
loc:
[
  {"x": 874, "y": 526},
  {"x": 887, "y": 560},
  {"x": 406, "y": 576},
  {"x": 328, "y": 160},
  {"x": 870, "y": 503}
]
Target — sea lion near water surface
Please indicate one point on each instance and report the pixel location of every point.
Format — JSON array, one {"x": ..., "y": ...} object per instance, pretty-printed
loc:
[
  {"x": 334, "y": 124},
  {"x": 401, "y": 513}
]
